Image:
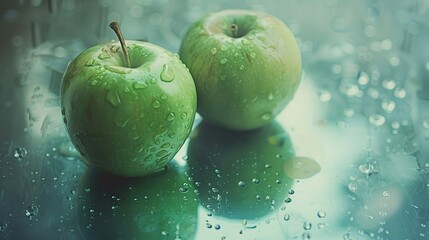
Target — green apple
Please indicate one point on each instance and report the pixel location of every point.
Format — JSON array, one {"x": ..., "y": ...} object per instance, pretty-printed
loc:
[
  {"x": 162, "y": 205},
  {"x": 240, "y": 174},
  {"x": 246, "y": 66},
  {"x": 128, "y": 112}
]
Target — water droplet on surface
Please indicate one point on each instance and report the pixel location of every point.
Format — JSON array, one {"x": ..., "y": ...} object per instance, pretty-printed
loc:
[
  {"x": 288, "y": 200},
  {"x": 244, "y": 41},
  {"x": 170, "y": 117},
  {"x": 352, "y": 186},
  {"x": 388, "y": 105},
  {"x": 307, "y": 226},
  {"x": 213, "y": 51},
  {"x": 156, "y": 104},
  {"x": 167, "y": 74},
  {"x": 132, "y": 135},
  {"x": 400, "y": 93},
  {"x": 20, "y": 153},
  {"x": 324, "y": 96},
  {"x": 266, "y": 116},
  {"x": 31, "y": 211},
  {"x": 363, "y": 78},
  {"x": 114, "y": 48},
  {"x": 90, "y": 62},
  {"x": 120, "y": 121},
  {"x": 241, "y": 67},
  {"x": 183, "y": 190},
  {"x": 113, "y": 98},
  {"x": 389, "y": 84},
  {"x": 139, "y": 85},
  {"x": 241, "y": 184},
  {"x": 223, "y": 61},
  {"x": 94, "y": 82},
  {"x": 321, "y": 214},
  {"x": 301, "y": 167},
  {"x": 377, "y": 119},
  {"x": 255, "y": 180},
  {"x": 104, "y": 56},
  {"x": 184, "y": 115},
  {"x": 367, "y": 169},
  {"x": 139, "y": 148},
  {"x": 286, "y": 217}
]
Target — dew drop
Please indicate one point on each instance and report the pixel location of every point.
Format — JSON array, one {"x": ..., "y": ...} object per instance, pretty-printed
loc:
[
  {"x": 301, "y": 167},
  {"x": 184, "y": 115},
  {"x": 223, "y": 61},
  {"x": 307, "y": 226},
  {"x": 132, "y": 135},
  {"x": 31, "y": 211},
  {"x": 114, "y": 48},
  {"x": 266, "y": 116},
  {"x": 244, "y": 41},
  {"x": 241, "y": 67},
  {"x": 255, "y": 180},
  {"x": 388, "y": 84},
  {"x": 367, "y": 169},
  {"x": 167, "y": 74},
  {"x": 113, "y": 98},
  {"x": 252, "y": 55},
  {"x": 241, "y": 184},
  {"x": 90, "y": 62},
  {"x": 94, "y": 82},
  {"x": 321, "y": 214},
  {"x": 20, "y": 153},
  {"x": 286, "y": 217},
  {"x": 214, "y": 51},
  {"x": 120, "y": 121},
  {"x": 377, "y": 119},
  {"x": 388, "y": 105},
  {"x": 324, "y": 96},
  {"x": 139, "y": 85},
  {"x": 400, "y": 93},
  {"x": 352, "y": 186},
  {"x": 104, "y": 56},
  {"x": 156, "y": 104},
  {"x": 170, "y": 117}
]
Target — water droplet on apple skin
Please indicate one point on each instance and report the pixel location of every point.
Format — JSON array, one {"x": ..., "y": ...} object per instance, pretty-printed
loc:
[
  {"x": 104, "y": 56},
  {"x": 167, "y": 74},
  {"x": 139, "y": 85},
  {"x": 156, "y": 104},
  {"x": 223, "y": 61},
  {"x": 90, "y": 62},
  {"x": 170, "y": 117},
  {"x": 113, "y": 98},
  {"x": 213, "y": 51}
]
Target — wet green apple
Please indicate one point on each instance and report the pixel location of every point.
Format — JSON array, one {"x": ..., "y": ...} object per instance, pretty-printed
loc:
[
  {"x": 246, "y": 66},
  {"x": 162, "y": 205},
  {"x": 240, "y": 174},
  {"x": 129, "y": 111}
]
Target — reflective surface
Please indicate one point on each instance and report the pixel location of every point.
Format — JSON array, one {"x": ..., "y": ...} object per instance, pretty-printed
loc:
[{"x": 347, "y": 159}]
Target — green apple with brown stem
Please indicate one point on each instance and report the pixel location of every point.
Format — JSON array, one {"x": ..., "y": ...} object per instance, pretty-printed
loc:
[
  {"x": 128, "y": 112},
  {"x": 246, "y": 66}
]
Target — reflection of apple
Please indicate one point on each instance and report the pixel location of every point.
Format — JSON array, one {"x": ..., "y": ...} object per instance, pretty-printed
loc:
[
  {"x": 240, "y": 174},
  {"x": 246, "y": 66},
  {"x": 160, "y": 206}
]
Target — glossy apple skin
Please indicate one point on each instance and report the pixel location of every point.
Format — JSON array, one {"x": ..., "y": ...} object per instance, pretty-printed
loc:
[
  {"x": 242, "y": 82},
  {"x": 162, "y": 205},
  {"x": 128, "y": 121},
  {"x": 239, "y": 174}
]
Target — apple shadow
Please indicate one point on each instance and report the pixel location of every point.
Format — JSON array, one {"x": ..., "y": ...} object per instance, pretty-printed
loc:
[
  {"x": 157, "y": 206},
  {"x": 240, "y": 174}
]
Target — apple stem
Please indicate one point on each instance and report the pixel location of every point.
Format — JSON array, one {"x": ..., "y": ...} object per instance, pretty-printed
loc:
[
  {"x": 234, "y": 30},
  {"x": 114, "y": 25}
]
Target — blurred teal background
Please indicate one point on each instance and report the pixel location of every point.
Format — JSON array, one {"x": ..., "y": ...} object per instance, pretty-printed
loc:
[{"x": 361, "y": 112}]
